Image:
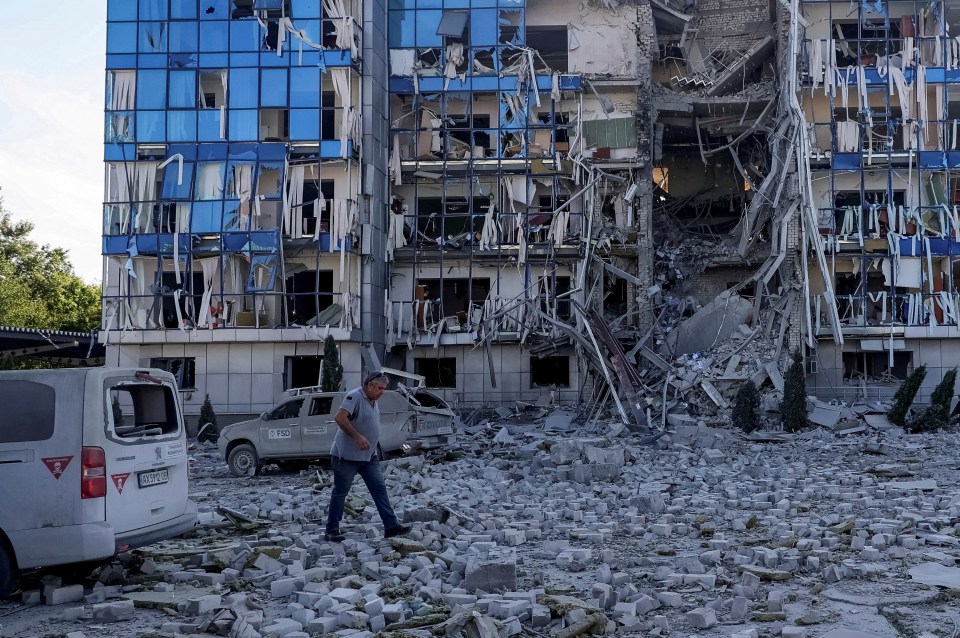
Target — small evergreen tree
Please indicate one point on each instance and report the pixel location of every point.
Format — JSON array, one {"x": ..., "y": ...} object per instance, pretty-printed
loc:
[
  {"x": 938, "y": 414},
  {"x": 332, "y": 375},
  {"x": 208, "y": 416},
  {"x": 746, "y": 408},
  {"x": 905, "y": 395},
  {"x": 793, "y": 408}
]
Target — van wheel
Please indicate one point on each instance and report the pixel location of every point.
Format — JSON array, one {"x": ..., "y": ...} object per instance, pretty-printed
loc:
[
  {"x": 243, "y": 461},
  {"x": 9, "y": 574}
]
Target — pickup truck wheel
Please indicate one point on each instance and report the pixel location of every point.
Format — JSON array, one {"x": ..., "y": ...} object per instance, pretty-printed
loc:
[
  {"x": 243, "y": 461},
  {"x": 9, "y": 574}
]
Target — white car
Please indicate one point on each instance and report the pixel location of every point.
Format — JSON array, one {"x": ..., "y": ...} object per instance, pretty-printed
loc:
[{"x": 302, "y": 427}]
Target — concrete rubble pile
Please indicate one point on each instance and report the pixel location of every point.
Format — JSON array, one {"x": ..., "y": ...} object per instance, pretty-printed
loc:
[{"x": 535, "y": 531}]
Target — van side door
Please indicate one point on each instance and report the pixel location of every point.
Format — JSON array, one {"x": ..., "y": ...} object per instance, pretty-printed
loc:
[
  {"x": 280, "y": 430},
  {"x": 319, "y": 427}
]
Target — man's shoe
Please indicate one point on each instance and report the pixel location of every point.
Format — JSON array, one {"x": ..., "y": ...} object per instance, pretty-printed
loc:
[
  {"x": 336, "y": 536},
  {"x": 400, "y": 530}
]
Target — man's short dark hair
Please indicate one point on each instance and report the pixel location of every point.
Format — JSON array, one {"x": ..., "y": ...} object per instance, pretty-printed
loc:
[{"x": 376, "y": 375}]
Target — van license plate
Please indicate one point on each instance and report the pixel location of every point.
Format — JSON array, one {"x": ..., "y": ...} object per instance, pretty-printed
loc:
[{"x": 156, "y": 477}]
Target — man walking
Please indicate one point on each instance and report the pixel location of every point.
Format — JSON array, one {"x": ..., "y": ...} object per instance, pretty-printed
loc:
[{"x": 354, "y": 451}]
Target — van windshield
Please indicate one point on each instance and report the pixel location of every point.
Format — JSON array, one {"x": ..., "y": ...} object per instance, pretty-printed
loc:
[{"x": 142, "y": 410}]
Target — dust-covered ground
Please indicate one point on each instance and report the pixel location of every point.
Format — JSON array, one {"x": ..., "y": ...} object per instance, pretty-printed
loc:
[{"x": 535, "y": 527}]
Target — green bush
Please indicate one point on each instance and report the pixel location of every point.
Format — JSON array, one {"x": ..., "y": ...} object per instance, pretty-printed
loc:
[
  {"x": 937, "y": 415},
  {"x": 793, "y": 408},
  {"x": 905, "y": 395},
  {"x": 746, "y": 408},
  {"x": 332, "y": 371},
  {"x": 207, "y": 415}
]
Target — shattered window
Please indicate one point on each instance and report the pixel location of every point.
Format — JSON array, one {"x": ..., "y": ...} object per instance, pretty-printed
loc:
[
  {"x": 875, "y": 366},
  {"x": 173, "y": 190},
  {"x": 439, "y": 372},
  {"x": 550, "y": 42},
  {"x": 142, "y": 410},
  {"x": 453, "y": 24},
  {"x": 320, "y": 406},
  {"x": 212, "y": 89},
  {"x": 183, "y": 368},
  {"x": 274, "y": 125},
  {"x": 263, "y": 272},
  {"x": 550, "y": 371},
  {"x": 288, "y": 410},
  {"x": 214, "y": 9},
  {"x": 153, "y": 37},
  {"x": 302, "y": 372}
]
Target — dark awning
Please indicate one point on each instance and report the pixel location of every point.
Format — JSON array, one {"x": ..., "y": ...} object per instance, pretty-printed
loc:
[{"x": 71, "y": 348}]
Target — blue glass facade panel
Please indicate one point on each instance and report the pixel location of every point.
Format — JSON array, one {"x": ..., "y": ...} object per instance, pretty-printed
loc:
[
  {"x": 183, "y": 37},
  {"x": 152, "y": 89},
  {"x": 242, "y": 125},
  {"x": 122, "y": 37},
  {"x": 209, "y": 138},
  {"x": 120, "y": 10},
  {"x": 183, "y": 9}
]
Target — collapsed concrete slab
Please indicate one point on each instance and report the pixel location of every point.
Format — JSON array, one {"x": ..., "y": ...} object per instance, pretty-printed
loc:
[{"x": 710, "y": 325}]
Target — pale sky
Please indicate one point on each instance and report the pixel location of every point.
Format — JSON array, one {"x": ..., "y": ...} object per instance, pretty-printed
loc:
[{"x": 51, "y": 123}]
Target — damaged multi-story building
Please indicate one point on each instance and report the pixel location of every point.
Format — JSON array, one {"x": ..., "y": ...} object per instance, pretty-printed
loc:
[
  {"x": 515, "y": 199},
  {"x": 415, "y": 179},
  {"x": 876, "y": 84},
  {"x": 512, "y": 139},
  {"x": 235, "y": 167},
  {"x": 825, "y": 133}
]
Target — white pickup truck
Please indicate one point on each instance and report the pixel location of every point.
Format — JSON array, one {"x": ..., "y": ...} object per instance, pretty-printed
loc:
[{"x": 301, "y": 428}]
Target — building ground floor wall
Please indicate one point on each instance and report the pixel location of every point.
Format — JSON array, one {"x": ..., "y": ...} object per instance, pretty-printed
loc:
[
  {"x": 860, "y": 368},
  {"x": 242, "y": 379},
  {"x": 461, "y": 373},
  {"x": 245, "y": 379}
]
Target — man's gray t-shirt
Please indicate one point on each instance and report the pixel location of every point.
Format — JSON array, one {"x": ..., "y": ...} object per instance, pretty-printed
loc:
[{"x": 365, "y": 418}]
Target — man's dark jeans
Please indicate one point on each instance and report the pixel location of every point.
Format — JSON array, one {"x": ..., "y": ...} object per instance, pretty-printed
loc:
[{"x": 344, "y": 472}]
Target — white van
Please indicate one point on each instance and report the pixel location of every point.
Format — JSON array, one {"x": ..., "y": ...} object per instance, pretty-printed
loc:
[{"x": 92, "y": 462}]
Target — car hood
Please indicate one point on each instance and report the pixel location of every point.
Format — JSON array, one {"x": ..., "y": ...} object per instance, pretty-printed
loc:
[{"x": 242, "y": 428}]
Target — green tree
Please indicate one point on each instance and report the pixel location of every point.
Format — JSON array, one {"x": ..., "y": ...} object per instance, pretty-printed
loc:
[
  {"x": 38, "y": 286},
  {"x": 207, "y": 416},
  {"x": 332, "y": 372},
  {"x": 905, "y": 395},
  {"x": 793, "y": 408},
  {"x": 746, "y": 408},
  {"x": 937, "y": 415}
]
